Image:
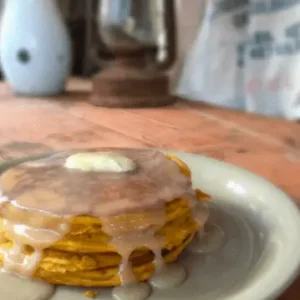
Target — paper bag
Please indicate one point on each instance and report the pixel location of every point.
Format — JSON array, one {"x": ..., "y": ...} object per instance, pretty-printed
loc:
[{"x": 247, "y": 56}]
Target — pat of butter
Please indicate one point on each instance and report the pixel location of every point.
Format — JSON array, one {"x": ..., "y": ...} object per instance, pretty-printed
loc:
[{"x": 100, "y": 162}]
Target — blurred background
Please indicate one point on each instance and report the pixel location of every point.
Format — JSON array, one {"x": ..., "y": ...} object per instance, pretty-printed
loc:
[
  {"x": 81, "y": 19},
  {"x": 238, "y": 54}
]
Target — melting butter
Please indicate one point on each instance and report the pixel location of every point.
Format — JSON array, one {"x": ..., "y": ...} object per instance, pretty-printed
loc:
[{"x": 100, "y": 162}]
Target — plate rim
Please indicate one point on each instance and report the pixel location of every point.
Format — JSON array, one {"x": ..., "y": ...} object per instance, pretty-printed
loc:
[
  {"x": 292, "y": 276},
  {"x": 277, "y": 290}
]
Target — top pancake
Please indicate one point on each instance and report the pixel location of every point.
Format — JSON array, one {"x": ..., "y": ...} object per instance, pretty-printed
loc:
[{"x": 47, "y": 185}]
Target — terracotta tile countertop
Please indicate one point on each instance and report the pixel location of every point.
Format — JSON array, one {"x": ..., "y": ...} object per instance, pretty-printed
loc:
[{"x": 267, "y": 146}]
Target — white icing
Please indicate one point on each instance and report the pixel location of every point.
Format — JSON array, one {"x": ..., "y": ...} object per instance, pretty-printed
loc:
[
  {"x": 16, "y": 288},
  {"x": 169, "y": 276},
  {"x": 231, "y": 265},
  {"x": 100, "y": 162},
  {"x": 200, "y": 213},
  {"x": 136, "y": 291}
]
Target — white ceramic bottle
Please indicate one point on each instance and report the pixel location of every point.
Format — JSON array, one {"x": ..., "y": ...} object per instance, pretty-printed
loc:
[{"x": 35, "y": 48}]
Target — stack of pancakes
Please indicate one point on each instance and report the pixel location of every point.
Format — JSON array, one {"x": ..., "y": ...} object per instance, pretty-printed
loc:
[{"x": 84, "y": 256}]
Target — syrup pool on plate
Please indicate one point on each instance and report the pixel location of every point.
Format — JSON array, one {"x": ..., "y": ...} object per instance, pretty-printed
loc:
[
  {"x": 169, "y": 276},
  {"x": 135, "y": 291},
  {"x": 209, "y": 239}
]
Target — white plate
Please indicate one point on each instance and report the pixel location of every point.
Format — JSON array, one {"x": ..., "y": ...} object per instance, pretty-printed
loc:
[{"x": 260, "y": 257}]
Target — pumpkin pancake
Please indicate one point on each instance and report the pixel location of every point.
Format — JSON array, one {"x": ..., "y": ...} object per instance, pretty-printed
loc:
[{"x": 98, "y": 217}]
